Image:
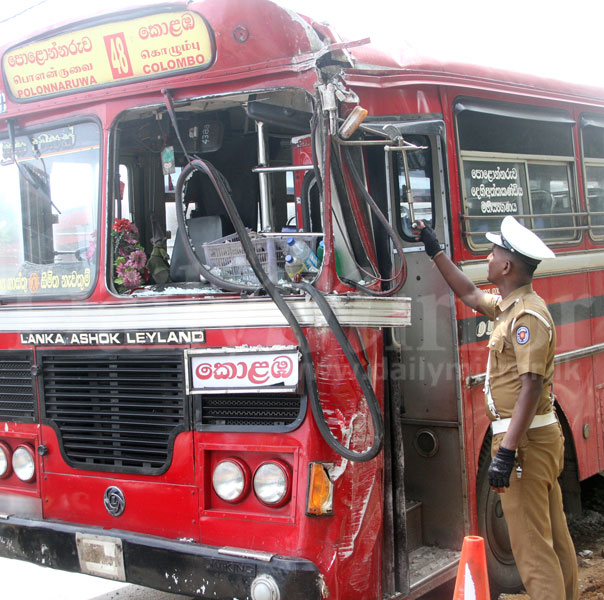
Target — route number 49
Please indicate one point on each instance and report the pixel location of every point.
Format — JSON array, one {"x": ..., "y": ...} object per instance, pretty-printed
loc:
[{"x": 117, "y": 53}]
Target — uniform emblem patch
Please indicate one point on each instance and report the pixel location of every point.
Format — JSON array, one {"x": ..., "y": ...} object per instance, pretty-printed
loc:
[{"x": 522, "y": 335}]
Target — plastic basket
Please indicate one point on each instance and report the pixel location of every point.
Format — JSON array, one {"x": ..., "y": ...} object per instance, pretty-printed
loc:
[{"x": 227, "y": 255}]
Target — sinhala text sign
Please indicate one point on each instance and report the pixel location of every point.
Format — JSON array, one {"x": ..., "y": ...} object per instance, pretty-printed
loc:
[
  {"x": 268, "y": 369},
  {"x": 108, "y": 54}
]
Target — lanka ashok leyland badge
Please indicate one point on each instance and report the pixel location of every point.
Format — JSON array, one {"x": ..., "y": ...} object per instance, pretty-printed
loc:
[{"x": 522, "y": 335}]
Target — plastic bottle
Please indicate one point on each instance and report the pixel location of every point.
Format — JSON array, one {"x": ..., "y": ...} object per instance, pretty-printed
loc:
[
  {"x": 293, "y": 266},
  {"x": 321, "y": 253},
  {"x": 301, "y": 250}
]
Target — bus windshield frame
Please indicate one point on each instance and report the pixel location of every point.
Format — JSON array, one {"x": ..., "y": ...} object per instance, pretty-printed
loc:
[{"x": 49, "y": 199}]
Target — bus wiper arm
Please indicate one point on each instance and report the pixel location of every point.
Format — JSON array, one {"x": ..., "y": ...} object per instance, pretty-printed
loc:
[
  {"x": 37, "y": 182},
  {"x": 28, "y": 173}
]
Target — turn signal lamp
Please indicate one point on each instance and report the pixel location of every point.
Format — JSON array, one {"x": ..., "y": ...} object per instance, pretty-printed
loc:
[
  {"x": 320, "y": 491},
  {"x": 351, "y": 123}
]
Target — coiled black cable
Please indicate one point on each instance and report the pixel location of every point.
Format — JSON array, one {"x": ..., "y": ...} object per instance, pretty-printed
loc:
[
  {"x": 360, "y": 187},
  {"x": 274, "y": 292}
]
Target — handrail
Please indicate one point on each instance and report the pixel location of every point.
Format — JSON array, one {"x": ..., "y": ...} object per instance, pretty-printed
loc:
[{"x": 478, "y": 379}]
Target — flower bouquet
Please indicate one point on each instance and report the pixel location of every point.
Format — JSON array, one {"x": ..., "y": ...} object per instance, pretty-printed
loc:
[{"x": 130, "y": 262}]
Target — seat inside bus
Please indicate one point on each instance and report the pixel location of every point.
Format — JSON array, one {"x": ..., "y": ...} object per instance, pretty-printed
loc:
[{"x": 202, "y": 230}]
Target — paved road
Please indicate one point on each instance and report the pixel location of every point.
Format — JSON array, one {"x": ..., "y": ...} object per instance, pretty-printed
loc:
[{"x": 24, "y": 581}]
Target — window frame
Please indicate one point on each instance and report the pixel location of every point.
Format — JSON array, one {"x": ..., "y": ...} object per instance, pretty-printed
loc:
[
  {"x": 526, "y": 215},
  {"x": 591, "y": 120},
  {"x": 95, "y": 266},
  {"x": 392, "y": 162},
  {"x": 593, "y": 229}
]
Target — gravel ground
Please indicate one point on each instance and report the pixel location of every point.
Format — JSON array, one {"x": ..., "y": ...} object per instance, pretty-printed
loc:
[{"x": 588, "y": 535}]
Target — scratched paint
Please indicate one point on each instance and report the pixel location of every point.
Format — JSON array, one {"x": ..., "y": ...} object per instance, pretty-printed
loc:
[{"x": 351, "y": 555}]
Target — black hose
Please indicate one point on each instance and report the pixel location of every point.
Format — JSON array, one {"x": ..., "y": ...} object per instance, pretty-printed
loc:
[
  {"x": 356, "y": 178},
  {"x": 353, "y": 360},
  {"x": 273, "y": 291},
  {"x": 189, "y": 250}
]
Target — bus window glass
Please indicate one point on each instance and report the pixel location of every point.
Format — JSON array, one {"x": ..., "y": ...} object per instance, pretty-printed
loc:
[
  {"x": 493, "y": 188},
  {"x": 594, "y": 177},
  {"x": 517, "y": 162},
  {"x": 123, "y": 196},
  {"x": 550, "y": 187},
  {"x": 593, "y": 156},
  {"x": 420, "y": 179},
  {"x": 49, "y": 187}
]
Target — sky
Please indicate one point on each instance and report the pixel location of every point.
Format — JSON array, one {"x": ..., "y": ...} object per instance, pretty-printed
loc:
[
  {"x": 547, "y": 38},
  {"x": 544, "y": 37}
]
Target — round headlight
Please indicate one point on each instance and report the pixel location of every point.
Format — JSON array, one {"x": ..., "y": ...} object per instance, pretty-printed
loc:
[
  {"x": 24, "y": 464},
  {"x": 231, "y": 480},
  {"x": 4, "y": 460},
  {"x": 272, "y": 483}
]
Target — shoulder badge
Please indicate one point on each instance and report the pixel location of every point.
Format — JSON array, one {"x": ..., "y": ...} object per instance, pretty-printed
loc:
[{"x": 523, "y": 335}]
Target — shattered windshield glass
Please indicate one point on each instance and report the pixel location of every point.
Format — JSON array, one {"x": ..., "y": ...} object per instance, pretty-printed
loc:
[{"x": 49, "y": 193}]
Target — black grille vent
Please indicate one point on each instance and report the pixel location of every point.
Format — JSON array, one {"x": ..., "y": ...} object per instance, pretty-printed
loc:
[
  {"x": 115, "y": 412},
  {"x": 247, "y": 412},
  {"x": 17, "y": 401}
]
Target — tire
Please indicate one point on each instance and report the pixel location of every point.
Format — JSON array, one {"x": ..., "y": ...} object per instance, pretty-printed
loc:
[{"x": 503, "y": 574}]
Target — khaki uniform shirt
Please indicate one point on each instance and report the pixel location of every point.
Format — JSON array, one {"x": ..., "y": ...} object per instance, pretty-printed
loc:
[{"x": 520, "y": 343}]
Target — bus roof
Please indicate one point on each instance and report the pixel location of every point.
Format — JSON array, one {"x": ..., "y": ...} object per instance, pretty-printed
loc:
[
  {"x": 241, "y": 43},
  {"x": 372, "y": 62}
]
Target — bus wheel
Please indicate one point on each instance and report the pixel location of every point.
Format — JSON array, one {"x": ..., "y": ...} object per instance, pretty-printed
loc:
[{"x": 503, "y": 574}]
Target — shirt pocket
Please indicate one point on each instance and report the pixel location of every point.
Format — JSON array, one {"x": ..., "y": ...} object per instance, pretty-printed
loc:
[{"x": 500, "y": 348}]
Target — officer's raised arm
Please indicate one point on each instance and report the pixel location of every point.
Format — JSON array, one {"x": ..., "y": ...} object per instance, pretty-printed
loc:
[{"x": 458, "y": 281}]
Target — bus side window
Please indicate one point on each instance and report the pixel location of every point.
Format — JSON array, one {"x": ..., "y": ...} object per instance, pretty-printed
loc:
[
  {"x": 422, "y": 185},
  {"x": 592, "y": 136},
  {"x": 516, "y": 160},
  {"x": 595, "y": 200},
  {"x": 550, "y": 194},
  {"x": 122, "y": 194}
]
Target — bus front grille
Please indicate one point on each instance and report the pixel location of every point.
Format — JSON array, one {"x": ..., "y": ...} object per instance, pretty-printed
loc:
[
  {"x": 17, "y": 400},
  {"x": 250, "y": 412},
  {"x": 114, "y": 411}
]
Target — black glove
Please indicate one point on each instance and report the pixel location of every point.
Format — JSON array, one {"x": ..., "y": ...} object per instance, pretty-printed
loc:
[
  {"x": 501, "y": 467},
  {"x": 431, "y": 243}
]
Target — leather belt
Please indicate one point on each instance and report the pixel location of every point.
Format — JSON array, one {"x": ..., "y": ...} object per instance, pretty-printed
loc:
[{"x": 501, "y": 425}]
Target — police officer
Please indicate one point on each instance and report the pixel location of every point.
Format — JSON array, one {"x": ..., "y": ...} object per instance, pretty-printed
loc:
[{"x": 528, "y": 446}]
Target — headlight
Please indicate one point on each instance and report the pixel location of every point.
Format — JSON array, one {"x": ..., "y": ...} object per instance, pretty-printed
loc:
[
  {"x": 24, "y": 464},
  {"x": 272, "y": 483},
  {"x": 231, "y": 480},
  {"x": 4, "y": 460}
]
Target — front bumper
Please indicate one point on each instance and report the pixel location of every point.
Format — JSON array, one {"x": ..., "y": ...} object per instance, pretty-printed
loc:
[{"x": 172, "y": 566}]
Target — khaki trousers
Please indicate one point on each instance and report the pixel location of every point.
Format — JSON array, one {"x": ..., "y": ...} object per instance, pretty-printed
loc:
[{"x": 532, "y": 505}]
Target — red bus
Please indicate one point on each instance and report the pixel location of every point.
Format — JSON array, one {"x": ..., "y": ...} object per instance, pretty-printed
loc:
[{"x": 175, "y": 410}]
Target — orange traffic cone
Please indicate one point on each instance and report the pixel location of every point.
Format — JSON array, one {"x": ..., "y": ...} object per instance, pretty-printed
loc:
[{"x": 472, "y": 581}]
